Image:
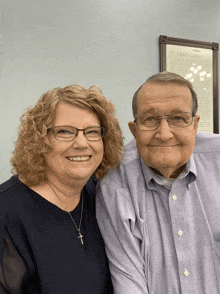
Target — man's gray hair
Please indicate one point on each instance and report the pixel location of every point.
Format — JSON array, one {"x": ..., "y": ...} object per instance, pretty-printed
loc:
[{"x": 167, "y": 77}]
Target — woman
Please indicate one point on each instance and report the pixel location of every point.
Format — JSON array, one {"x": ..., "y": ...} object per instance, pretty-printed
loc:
[{"x": 51, "y": 239}]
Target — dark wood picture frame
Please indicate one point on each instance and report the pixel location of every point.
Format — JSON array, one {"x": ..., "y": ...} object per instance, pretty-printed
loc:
[{"x": 164, "y": 41}]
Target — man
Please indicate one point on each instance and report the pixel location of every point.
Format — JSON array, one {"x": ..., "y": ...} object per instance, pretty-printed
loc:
[{"x": 159, "y": 211}]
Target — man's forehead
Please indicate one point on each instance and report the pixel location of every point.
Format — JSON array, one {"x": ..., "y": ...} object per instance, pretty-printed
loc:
[
  {"x": 157, "y": 88},
  {"x": 172, "y": 98}
]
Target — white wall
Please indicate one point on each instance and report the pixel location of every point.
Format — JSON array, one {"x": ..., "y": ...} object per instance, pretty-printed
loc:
[{"x": 109, "y": 43}]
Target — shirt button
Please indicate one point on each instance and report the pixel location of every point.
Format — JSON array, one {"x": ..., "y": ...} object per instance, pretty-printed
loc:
[
  {"x": 174, "y": 197},
  {"x": 188, "y": 186},
  {"x": 186, "y": 273},
  {"x": 180, "y": 233}
]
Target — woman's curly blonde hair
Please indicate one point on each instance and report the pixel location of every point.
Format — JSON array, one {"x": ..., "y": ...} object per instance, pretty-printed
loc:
[{"x": 31, "y": 147}]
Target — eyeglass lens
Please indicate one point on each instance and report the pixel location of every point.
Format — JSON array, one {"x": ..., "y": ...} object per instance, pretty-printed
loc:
[
  {"x": 177, "y": 120},
  {"x": 69, "y": 133}
]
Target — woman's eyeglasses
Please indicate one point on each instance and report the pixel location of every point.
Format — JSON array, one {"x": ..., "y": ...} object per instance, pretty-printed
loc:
[{"x": 67, "y": 133}]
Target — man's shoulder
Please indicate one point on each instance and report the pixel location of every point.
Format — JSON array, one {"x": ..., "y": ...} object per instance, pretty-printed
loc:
[
  {"x": 206, "y": 142},
  {"x": 131, "y": 160},
  {"x": 131, "y": 152}
]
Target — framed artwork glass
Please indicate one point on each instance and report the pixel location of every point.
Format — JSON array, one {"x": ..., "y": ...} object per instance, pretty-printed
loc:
[{"x": 197, "y": 62}]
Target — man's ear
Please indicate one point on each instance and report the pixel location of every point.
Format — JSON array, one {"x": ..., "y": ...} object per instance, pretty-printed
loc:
[
  {"x": 132, "y": 128},
  {"x": 196, "y": 122}
]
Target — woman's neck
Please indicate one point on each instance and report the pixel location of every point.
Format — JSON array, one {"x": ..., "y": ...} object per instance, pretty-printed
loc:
[{"x": 60, "y": 193}]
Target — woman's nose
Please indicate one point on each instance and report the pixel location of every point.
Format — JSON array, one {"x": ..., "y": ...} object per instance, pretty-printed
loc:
[{"x": 80, "y": 140}]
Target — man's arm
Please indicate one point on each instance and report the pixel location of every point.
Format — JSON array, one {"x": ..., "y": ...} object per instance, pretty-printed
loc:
[{"x": 123, "y": 244}]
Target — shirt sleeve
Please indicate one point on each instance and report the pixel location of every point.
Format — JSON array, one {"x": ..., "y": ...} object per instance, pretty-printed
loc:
[
  {"x": 12, "y": 267},
  {"x": 123, "y": 244}
]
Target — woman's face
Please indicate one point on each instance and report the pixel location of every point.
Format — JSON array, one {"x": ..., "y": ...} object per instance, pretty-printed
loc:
[{"x": 75, "y": 160}]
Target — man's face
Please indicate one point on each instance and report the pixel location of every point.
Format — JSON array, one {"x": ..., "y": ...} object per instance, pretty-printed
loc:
[{"x": 166, "y": 150}]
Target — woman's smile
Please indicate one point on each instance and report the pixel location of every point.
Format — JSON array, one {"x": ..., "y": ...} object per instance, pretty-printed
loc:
[{"x": 78, "y": 158}]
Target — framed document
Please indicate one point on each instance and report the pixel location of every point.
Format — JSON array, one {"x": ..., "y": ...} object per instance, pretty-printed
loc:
[{"x": 197, "y": 62}]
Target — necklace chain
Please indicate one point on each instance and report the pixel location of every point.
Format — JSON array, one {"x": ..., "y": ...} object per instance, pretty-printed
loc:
[{"x": 78, "y": 228}]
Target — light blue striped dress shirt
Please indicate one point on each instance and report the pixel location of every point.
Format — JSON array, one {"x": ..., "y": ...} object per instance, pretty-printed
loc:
[{"x": 163, "y": 238}]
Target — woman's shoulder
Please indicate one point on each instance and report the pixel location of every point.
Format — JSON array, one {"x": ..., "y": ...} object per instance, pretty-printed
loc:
[
  {"x": 8, "y": 184},
  {"x": 90, "y": 186},
  {"x": 10, "y": 194},
  {"x": 90, "y": 192}
]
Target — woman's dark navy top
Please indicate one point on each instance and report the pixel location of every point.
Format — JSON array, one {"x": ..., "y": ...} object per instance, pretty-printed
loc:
[{"x": 40, "y": 251}]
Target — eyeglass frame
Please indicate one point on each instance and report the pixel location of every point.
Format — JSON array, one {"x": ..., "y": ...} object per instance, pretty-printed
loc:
[
  {"x": 77, "y": 130},
  {"x": 165, "y": 116}
]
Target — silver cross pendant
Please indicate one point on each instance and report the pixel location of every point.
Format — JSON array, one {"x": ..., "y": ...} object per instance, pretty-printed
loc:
[{"x": 81, "y": 237}]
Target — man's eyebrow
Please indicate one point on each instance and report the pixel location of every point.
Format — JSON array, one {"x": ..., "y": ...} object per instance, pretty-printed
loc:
[
  {"x": 148, "y": 111},
  {"x": 153, "y": 112}
]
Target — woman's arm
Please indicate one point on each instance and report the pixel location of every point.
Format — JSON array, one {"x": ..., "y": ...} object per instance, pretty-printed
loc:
[{"x": 12, "y": 268}]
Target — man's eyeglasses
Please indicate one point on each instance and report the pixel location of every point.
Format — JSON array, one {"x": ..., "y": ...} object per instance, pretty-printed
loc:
[
  {"x": 176, "y": 120},
  {"x": 67, "y": 133}
]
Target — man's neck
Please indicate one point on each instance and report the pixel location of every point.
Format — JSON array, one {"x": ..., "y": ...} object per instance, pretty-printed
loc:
[{"x": 169, "y": 172}]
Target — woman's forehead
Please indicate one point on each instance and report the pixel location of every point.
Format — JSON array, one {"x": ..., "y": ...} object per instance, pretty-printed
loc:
[{"x": 68, "y": 114}]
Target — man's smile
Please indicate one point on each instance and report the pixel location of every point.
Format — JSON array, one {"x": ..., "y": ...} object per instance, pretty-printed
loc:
[{"x": 164, "y": 146}]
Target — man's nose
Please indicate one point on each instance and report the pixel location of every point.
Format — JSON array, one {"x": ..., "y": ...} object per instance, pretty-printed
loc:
[{"x": 164, "y": 131}]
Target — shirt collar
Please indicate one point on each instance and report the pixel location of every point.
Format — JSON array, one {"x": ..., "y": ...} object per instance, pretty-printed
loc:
[
  {"x": 190, "y": 170},
  {"x": 150, "y": 176}
]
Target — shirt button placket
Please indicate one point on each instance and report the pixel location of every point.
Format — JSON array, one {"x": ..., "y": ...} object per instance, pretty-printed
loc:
[{"x": 177, "y": 210}]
